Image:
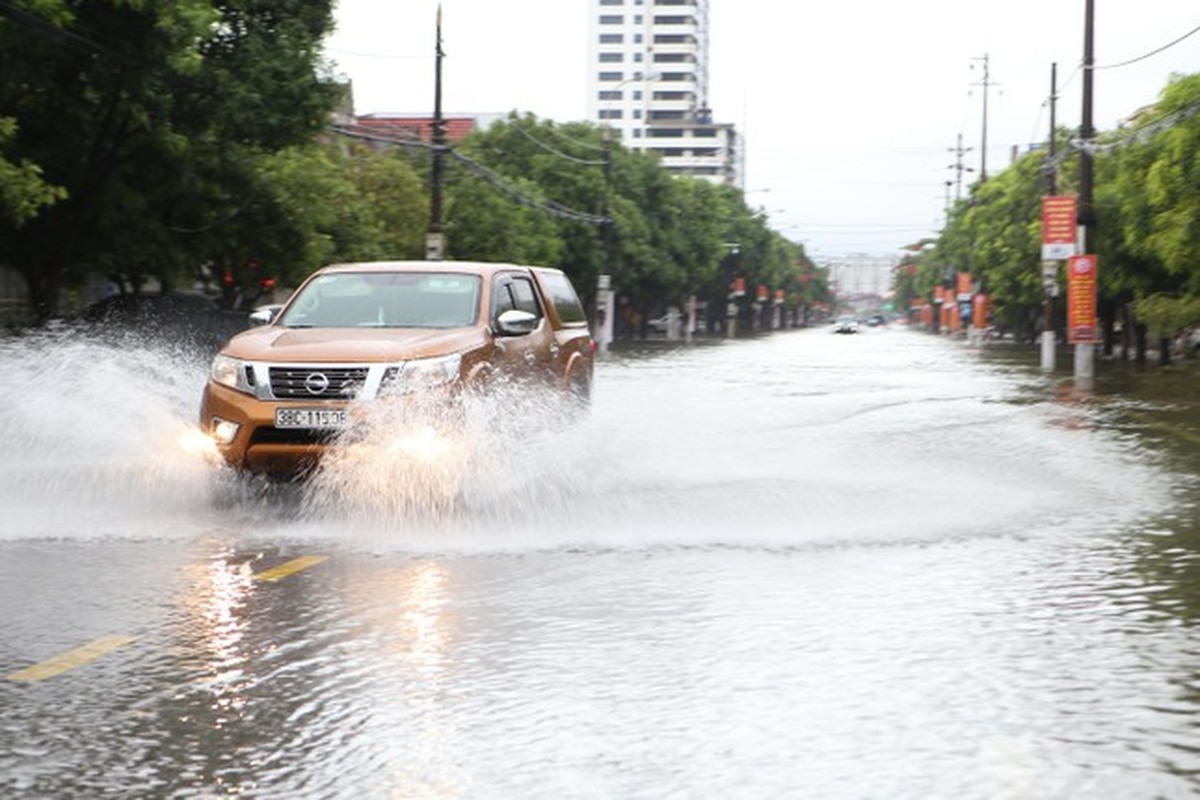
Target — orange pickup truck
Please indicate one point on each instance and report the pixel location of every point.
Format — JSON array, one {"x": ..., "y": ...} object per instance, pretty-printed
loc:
[{"x": 281, "y": 392}]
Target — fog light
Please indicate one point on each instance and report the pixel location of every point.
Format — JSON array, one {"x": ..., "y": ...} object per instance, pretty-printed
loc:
[{"x": 224, "y": 431}]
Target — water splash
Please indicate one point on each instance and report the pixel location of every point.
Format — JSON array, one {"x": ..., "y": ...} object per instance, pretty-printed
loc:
[
  {"x": 791, "y": 442},
  {"x": 98, "y": 436}
]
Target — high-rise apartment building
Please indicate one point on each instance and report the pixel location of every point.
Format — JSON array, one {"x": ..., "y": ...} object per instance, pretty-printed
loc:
[{"x": 648, "y": 81}]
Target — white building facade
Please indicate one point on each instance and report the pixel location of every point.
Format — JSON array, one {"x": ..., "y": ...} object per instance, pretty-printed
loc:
[
  {"x": 861, "y": 275},
  {"x": 648, "y": 81}
]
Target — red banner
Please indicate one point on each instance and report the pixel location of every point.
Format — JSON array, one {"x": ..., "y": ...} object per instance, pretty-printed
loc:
[
  {"x": 1081, "y": 300},
  {"x": 979, "y": 311},
  {"x": 1058, "y": 227},
  {"x": 964, "y": 283}
]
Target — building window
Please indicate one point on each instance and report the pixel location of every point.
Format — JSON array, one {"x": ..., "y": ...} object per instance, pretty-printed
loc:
[
  {"x": 611, "y": 113},
  {"x": 637, "y": 113},
  {"x": 670, "y": 38},
  {"x": 673, "y": 58},
  {"x": 637, "y": 37},
  {"x": 673, "y": 20},
  {"x": 637, "y": 94},
  {"x": 667, "y": 2},
  {"x": 612, "y": 2},
  {"x": 637, "y": 133},
  {"x": 672, "y": 96},
  {"x": 677, "y": 76},
  {"x": 638, "y": 20},
  {"x": 612, "y": 58},
  {"x": 612, "y": 19},
  {"x": 706, "y": 152},
  {"x": 612, "y": 38},
  {"x": 609, "y": 94},
  {"x": 704, "y": 133},
  {"x": 666, "y": 133},
  {"x": 665, "y": 115},
  {"x": 637, "y": 57},
  {"x": 609, "y": 77}
]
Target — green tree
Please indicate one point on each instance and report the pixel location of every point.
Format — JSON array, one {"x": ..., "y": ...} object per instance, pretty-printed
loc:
[
  {"x": 152, "y": 117},
  {"x": 23, "y": 192}
]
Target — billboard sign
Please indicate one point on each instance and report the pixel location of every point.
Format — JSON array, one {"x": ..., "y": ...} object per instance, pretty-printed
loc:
[
  {"x": 1058, "y": 227},
  {"x": 1081, "y": 300}
]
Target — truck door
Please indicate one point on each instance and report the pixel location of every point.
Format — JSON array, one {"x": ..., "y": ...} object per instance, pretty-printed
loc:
[{"x": 528, "y": 357}]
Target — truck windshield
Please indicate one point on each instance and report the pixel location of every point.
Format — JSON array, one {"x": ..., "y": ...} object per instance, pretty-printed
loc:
[{"x": 385, "y": 300}]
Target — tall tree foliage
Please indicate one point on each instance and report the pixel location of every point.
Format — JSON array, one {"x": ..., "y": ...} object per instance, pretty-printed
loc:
[
  {"x": 671, "y": 237},
  {"x": 1147, "y": 234},
  {"x": 152, "y": 117}
]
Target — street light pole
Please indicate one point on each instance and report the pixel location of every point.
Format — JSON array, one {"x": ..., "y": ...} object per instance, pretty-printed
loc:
[{"x": 435, "y": 240}]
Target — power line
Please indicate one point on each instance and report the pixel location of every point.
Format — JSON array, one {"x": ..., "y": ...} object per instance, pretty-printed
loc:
[
  {"x": 1143, "y": 57},
  {"x": 384, "y": 56},
  {"x": 577, "y": 142},
  {"x": 547, "y": 206},
  {"x": 553, "y": 150},
  {"x": 550, "y": 207}
]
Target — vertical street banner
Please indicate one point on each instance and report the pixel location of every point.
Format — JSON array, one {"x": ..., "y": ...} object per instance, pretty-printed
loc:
[
  {"x": 1058, "y": 227},
  {"x": 1081, "y": 300},
  {"x": 963, "y": 285},
  {"x": 979, "y": 313}
]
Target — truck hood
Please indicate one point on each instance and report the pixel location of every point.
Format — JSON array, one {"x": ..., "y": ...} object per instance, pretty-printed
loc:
[{"x": 350, "y": 345}]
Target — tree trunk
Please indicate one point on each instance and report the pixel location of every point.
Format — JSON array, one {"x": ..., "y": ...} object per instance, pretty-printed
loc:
[{"x": 1139, "y": 331}]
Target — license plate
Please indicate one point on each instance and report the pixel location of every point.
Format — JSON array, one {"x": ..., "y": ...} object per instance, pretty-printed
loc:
[{"x": 310, "y": 418}]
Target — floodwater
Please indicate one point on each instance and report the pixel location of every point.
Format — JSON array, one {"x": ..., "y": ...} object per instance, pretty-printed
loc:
[{"x": 808, "y": 565}]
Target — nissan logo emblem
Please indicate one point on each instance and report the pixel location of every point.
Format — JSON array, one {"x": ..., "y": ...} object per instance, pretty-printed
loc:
[{"x": 316, "y": 383}]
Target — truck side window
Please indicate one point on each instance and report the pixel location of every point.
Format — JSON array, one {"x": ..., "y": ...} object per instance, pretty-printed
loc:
[{"x": 525, "y": 297}]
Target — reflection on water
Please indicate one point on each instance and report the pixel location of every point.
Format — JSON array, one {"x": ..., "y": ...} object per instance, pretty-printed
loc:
[{"x": 871, "y": 566}]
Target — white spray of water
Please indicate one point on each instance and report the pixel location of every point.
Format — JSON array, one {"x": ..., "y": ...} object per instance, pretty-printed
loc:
[
  {"x": 772, "y": 444},
  {"x": 99, "y": 437}
]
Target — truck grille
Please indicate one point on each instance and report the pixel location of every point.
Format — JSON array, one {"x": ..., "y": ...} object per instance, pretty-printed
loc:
[{"x": 317, "y": 383}]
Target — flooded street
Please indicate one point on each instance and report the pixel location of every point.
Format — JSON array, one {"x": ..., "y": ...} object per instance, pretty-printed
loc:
[{"x": 880, "y": 565}]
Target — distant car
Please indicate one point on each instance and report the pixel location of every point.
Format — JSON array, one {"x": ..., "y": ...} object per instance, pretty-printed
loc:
[
  {"x": 187, "y": 318},
  {"x": 353, "y": 333},
  {"x": 845, "y": 324},
  {"x": 660, "y": 324},
  {"x": 875, "y": 320}
]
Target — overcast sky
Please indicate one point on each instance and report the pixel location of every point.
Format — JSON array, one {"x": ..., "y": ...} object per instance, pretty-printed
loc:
[{"x": 850, "y": 109}]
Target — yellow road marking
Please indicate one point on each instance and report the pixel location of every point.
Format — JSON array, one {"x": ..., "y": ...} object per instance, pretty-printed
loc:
[
  {"x": 75, "y": 658},
  {"x": 289, "y": 568}
]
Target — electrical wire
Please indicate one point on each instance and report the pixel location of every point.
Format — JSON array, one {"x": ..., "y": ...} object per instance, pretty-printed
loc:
[
  {"x": 1144, "y": 56},
  {"x": 555, "y": 151},
  {"x": 65, "y": 36},
  {"x": 547, "y": 206},
  {"x": 577, "y": 142},
  {"x": 383, "y": 56}
]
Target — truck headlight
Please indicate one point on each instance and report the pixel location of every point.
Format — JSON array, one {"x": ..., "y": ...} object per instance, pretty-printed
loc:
[
  {"x": 232, "y": 372},
  {"x": 421, "y": 374}
]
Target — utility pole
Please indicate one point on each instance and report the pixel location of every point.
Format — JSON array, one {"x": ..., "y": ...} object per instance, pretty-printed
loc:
[
  {"x": 435, "y": 240},
  {"x": 1051, "y": 166},
  {"x": 958, "y": 166},
  {"x": 986, "y": 84},
  {"x": 1049, "y": 337},
  {"x": 605, "y": 299},
  {"x": 1085, "y": 365}
]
